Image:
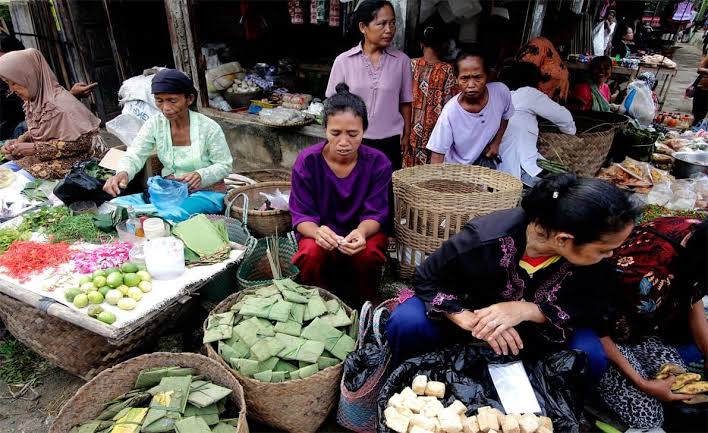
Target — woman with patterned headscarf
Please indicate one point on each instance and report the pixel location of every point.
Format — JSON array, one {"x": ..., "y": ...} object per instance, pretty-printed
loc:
[{"x": 554, "y": 80}]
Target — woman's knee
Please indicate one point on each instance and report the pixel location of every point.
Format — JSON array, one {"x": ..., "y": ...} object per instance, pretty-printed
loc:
[{"x": 586, "y": 340}]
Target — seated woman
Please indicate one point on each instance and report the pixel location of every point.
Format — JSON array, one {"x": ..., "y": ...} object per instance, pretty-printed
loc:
[
  {"x": 61, "y": 130},
  {"x": 658, "y": 318},
  {"x": 594, "y": 95},
  {"x": 518, "y": 278},
  {"x": 472, "y": 123},
  {"x": 191, "y": 147},
  {"x": 518, "y": 150},
  {"x": 339, "y": 201}
]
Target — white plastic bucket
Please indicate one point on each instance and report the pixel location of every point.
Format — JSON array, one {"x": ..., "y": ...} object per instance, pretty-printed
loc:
[{"x": 164, "y": 257}]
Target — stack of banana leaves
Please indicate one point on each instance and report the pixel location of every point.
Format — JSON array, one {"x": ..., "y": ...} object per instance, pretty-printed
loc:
[
  {"x": 206, "y": 242},
  {"x": 170, "y": 399},
  {"x": 283, "y": 332}
]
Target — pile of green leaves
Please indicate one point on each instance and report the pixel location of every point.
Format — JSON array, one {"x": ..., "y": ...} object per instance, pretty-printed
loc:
[
  {"x": 18, "y": 364},
  {"x": 95, "y": 170},
  {"x": 37, "y": 190},
  {"x": 10, "y": 235},
  {"x": 44, "y": 218},
  {"x": 76, "y": 228}
]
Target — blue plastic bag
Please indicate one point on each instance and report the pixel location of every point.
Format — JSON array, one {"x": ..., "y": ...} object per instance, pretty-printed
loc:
[{"x": 167, "y": 194}]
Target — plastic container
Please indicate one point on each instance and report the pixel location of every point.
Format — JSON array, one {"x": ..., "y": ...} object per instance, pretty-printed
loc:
[
  {"x": 136, "y": 254},
  {"x": 164, "y": 257},
  {"x": 154, "y": 228},
  {"x": 126, "y": 236}
]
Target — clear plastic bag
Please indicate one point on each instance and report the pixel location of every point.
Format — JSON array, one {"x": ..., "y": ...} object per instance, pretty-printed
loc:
[
  {"x": 166, "y": 194},
  {"x": 278, "y": 200}
]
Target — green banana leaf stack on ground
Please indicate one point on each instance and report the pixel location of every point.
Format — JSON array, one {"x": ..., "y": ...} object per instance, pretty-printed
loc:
[
  {"x": 206, "y": 242},
  {"x": 282, "y": 332},
  {"x": 166, "y": 400}
]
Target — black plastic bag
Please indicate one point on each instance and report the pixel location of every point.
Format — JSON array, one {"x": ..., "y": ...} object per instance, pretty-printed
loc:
[
  {"x": 361, "y": 364},
  {"x": 484, "y": 161},
  {"x": 556, "y": 379},
  {"x": 79, "y": 185}
]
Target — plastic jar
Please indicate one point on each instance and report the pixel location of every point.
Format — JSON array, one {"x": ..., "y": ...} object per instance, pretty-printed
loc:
[
  {"x": 154, "y": 228},
  {"x": 164, "y": 257}
]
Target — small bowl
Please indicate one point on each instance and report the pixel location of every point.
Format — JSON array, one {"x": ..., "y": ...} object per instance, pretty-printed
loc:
[{"x": 125, "y": 236}]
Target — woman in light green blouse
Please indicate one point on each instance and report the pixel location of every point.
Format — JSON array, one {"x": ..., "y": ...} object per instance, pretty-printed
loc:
[{"x": 191, "y": 147}]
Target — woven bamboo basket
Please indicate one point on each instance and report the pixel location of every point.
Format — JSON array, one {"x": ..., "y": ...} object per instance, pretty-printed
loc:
[
  {"x": 261, "y": 223},
  {"x": 255, "y": 268},
  {"x": 74, "y": 349},
  {"x": 269, "y": 175},
  {"x": 88, "y": 401},
  {"x": 433, "y": 202},
  {"x": 296, "y": 406},
  {"x": 585, "y": 152}
]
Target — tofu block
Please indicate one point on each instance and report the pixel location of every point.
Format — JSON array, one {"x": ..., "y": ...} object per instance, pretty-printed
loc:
[
  {"x": 492, "y": 431},
  {"x": 543, "y": 429},
  {"x": 545, "y": 422},
  {"x": 414, "y": 404},
  {"x": 528, "y": 423},
  {"x": 450, "y": 421},
  {"x": 510, "y": 425},
  {"x": 408, "y": 393},
  {"x": 405, "y": 412},
  {"x": 432, "y": 409},
  {"x": 419, "y": 384},
  {"x": 470, "y": 425},
  {"x": 423, "y": 422},
  {"x": 496, "y": 412},
  {"x": 419, "y": 429},
  {"x": 487, "y": 421},
  {"x": 435, "y": 389},
  {"x": 395, "y": 401},
  {"x": 395, "y": 421},
  {"x": 517, "y": 416},
  {"x": 458, "y": 407}
]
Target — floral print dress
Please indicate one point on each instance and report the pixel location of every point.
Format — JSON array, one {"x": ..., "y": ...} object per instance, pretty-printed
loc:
[{"x": 53, "y": 159}]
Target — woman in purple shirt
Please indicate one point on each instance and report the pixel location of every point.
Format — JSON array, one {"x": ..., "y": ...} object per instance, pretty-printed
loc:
[
  {"x": 381, "y": 76},
  {"x": 338, "y": 202}
]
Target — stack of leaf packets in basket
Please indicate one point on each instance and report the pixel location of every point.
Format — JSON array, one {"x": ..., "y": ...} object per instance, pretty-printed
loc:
[
  {"x": 169, "y": 399},
  {"x": 282, "y": 332},
  {"x": 206, "y": 242}
]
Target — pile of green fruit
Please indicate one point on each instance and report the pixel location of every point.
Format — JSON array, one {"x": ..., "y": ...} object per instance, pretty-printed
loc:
[{"x": 122, "y": 287}]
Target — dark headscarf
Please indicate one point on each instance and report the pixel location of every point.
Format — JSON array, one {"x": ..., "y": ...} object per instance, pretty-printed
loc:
[{"x": 173, "y": 81}]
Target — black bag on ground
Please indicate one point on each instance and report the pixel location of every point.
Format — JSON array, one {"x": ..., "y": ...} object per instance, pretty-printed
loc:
[
  {"x": 557, "y": 381},
  {"x": 79, "y": 185}
]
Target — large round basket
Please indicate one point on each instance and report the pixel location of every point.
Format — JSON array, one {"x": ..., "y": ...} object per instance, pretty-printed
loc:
[
  {"x": 433, "y": 202},
  {"x": 269, "y": 175},
  {"x": 89, "y": 400},
  {"x": 296, "y": 406},
  {"x": 585, "y": 152},
  {"x": 261, "y": 222},
  {"x": 77, "y": 350}
]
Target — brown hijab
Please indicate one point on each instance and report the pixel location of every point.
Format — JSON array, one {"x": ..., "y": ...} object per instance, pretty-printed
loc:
[{"x": 52, "y": 113}]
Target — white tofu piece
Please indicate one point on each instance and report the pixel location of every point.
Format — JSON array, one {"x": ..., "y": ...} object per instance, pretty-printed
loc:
[
  {"x": 516, "y": 416},
  {"x": 458, "y": 407},
  {"x": 419, "y": 429},
  {"x": 543, "y": 429},
  {"x": 470, "y": 425},
  {"x": 545, "y": 422},
  {"x": 437, "y": 425},
  {"x": 395, "y": 421},
  {"x": 395, "y": 401},
  {"x": 408, "y": 393},
  {"x": 450, "y": 421},
  {"x": 414, "y": 404},
  {"x": 435, "y": 389},
  {"x": 496, "y": 412},
  {"x": 432, "y": 409},
  {"x": 419, "y": 384},
  {"x": 405, "y": 412},
  {"x": 484, "y": 409},
  {"x": 492, "y": 431},
  {"x": 510, "y": 425},
  {"x": 427, "y": 399},
  {"x": 528, "y": 423},
  {"x": 423, "y": 422},
  {"x": 487, "y": 421}
]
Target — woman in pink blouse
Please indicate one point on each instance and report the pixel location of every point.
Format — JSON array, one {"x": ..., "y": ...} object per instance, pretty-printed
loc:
[{"x": 381, "y": 76}]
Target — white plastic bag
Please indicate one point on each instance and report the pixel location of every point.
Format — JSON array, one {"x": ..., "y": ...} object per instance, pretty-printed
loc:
[
  {"x": 278, "y": 200},
  {"x": 639, "y": 103},
  {"x": 125, "y": 127}
]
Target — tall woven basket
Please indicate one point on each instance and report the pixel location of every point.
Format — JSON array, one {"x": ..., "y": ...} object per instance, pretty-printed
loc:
[
  {"x": 255, "y": 268},
  {"x": 433, "y": 202},
  {"x": 585, "y": 152},
  {"x": 88, "y": 401},
  {"x": 74, "y": 349},
  {"x": 260, "y": 222},
  {"x": 296, "y": 406}
]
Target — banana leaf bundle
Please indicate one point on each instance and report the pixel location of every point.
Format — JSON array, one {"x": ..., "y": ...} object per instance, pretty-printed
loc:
[
  {"x": 205, "y": 241},
  {"x": 192, "y": 424},
  {"x": 223, "y": 428},
  {"x": 153, "y": 376},
  {"x": 93, "y": 427},
  {"x": 114, "y": 407},
  {"x": 335, "y": 341},
  {"x": 219, "y": 327},
  {"x": 130, "y": 421}
]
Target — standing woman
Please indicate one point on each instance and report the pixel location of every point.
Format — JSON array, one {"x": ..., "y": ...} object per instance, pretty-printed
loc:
[
  {"x": 434, "y": 84},
  {"x": 381, "y": 76},
  {"x": 61, "y": 130}
]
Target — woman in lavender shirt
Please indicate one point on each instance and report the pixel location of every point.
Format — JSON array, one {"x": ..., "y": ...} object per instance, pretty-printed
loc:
[{"x": 381, "y": 76}]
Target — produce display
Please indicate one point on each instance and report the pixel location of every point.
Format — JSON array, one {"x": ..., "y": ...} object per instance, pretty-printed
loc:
[
  {"x": 24, "y": 259},
  {"x": 685, "y": 383},
  {"x": 634, "y": 175},
  {"x": 169, "y": 399},
  {"x": 44, "y": 218},
  {"x": 654, "y": 211},
  {"x": 9, "y": 235},
  {"x": 243, "y": 86},
  {"x": 417, "y": 409},
  {"x": 280, "y": 116},
  {"x": 283, "y": 332}
]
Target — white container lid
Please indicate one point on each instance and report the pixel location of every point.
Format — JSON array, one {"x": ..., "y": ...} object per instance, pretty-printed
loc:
[{"x": 154, "y": 228}]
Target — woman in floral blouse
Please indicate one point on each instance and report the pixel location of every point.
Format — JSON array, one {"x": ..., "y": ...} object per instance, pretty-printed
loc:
[
  {"x": 434, "y": 84},
  {"x": 519, "y": 278}
]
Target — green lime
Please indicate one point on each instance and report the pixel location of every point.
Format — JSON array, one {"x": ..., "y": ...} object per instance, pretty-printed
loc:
[
  {"x": 99, "y": 273},
  {"x": 129, "y": 268},
  {"x": 71, "y": 293},
  {"x": 85, "y": 279},
  {"x": 81, "y": 301},
  {"x": 127, "y": 304},
  {"x": 113, "y": 296},
  {"x": 95, "y": 297},
  {"x": 109, "y": 271},
  {"x": 99, "y": 281},
  {"x": 94, "y": 310},
  {"x": 123, "y": 289},
  {"x": 103, "y": 290},
  {"x": 87, "y": 287},
  {"x": 107, "y": 317},
  {"x": 135, "y": 293},
  {"x": 114, "y": 279},
  {"x": 131, "y": 280},
  {"x": 142, "y": 267},
  {"x": 144, "y": 276},
  {"x": 145, "y": 286}
]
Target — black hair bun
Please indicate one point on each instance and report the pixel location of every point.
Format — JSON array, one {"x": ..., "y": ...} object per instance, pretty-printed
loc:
[{"x": 342, "y": 88}]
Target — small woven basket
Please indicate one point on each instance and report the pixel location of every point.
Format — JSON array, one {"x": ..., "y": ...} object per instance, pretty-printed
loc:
[
  {"x": 296, "y": 406},
  {"x": 89, "y": 400},
  {"x": 77, "y": 350},
  {"x": 237, "y": 230},
  {"x": 255, "y": 267},
  {"x": 433, "y": 202},
  {"x": 260, "y": 222},
  {"x": 585, "y": 152}
]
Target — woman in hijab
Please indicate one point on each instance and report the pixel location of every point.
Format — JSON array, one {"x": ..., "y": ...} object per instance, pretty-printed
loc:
[
  {"x": 191, "y": 147},
  {"x": 61, "y": 130}
]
